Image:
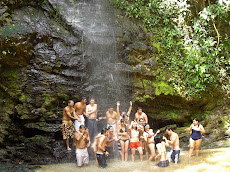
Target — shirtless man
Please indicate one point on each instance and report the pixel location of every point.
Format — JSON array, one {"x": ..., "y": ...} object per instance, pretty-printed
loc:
[
  {"x": 81, "y": 141},
  {"x": 139, "y": 114},
  {"x": 91, "y": 114},
  {"x": 112, "y": 118},
  {"x": 67, "y": 125},
  {"x": 174, "y": 141},
  {"x": 101, "y": 152},
  {"x": 110, "y": 143},
  {"x": 80, "y": 108}
]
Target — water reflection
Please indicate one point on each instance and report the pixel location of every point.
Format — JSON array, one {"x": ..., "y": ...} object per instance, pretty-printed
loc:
[{"x": 209, "y": 160}]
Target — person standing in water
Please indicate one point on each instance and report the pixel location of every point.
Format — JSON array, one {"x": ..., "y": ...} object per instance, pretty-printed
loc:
[
  {"x": 67, "y": 125},
  {"x": 112, "y": 118},
  {"x": 81, "y": 141},
  {"x": 122, "y": 131},
  {"x": 134, "y": 140},
  {"x": 80, "y": 108},
  {"x": 140, "y": 114},
  {"x": 101, "y": 152},
  {"x": 110, "y": 143},
  {"x": 91, "y": 114},
  {"x": 149, "y": 140},
  {"x": 161, "y": 149},
  {"x": 174, "y": 141},
  {"x": 196, "y": 138}
]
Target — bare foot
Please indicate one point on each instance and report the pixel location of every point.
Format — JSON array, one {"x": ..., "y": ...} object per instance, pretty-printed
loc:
[
  {"x": 69, "y": 149},
  {"x": 96, "y": 163}
]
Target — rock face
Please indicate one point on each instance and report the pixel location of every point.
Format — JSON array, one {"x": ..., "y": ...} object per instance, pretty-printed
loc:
[
  {"x": 52, "y": 52},
  {"x": 55, "y": 50}
]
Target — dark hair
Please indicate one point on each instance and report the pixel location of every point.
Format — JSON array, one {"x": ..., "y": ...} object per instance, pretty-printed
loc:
[
  {"x": 157, "y": 139},
  {"x": 141, "y": 120},
  {"x": 103, "y": 131},
  {"x": 124, "y": 115},
  {"x": 139, "y": 108},
  {"x": 146, "y": 125},
  {"x": 69, "y": 101},
  {"x": 82, "y": 126},
  {"x": 122, "y": 120},
  {"x": 168, "y": 128},
  {"x": 195, "y": 119},
  {"x": 109, "y": 127},
  {"x": 83, "y": 98}
]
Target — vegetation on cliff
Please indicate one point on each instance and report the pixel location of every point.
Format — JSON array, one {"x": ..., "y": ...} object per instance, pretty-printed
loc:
[{"x": 192, "y": 41}]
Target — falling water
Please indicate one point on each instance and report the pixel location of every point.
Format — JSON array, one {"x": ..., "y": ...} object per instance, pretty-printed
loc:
[{"x": 96, "y": 20}]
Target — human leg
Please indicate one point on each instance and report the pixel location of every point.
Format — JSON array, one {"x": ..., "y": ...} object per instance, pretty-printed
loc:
[
  {"x": 122, "y": 150},
  {"x": 126, "y": 147},
  {"x": 140, "y": 152},
  {"x": 192, "y": 144},
  {"x": 152, "y": 150},
  {"x": 197, "y": 146}
]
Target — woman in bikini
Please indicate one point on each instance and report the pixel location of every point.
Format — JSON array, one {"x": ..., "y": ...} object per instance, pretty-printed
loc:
[
  {"x": 196, "y": 138},
  {"x": 161, "y": 149},
  {"x": 134, "y": 140},
  {"x": 122, "y": 131},
  {"x": 149, "y": 140}
]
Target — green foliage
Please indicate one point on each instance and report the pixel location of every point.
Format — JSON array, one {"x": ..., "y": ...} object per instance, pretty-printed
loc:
[{"x": 190, "y": 48}]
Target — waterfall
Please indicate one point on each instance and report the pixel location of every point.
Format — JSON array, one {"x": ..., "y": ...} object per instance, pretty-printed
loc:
[{"x": 96, "y": 20}]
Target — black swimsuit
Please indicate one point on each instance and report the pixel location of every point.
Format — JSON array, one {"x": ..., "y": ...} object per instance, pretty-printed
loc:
[{"x": 121, "y": 131}]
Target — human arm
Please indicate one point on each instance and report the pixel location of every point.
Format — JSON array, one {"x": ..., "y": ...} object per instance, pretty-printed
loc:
[
  {"x": 202, "y": 129},
  {"x": 130, "y": 108},
  {"x": 88, "y": 112},
  {"x": 190, "y": 128},
  {"x": 118, "y": 108},
  {"x": 75, "y": 117},
  {"x": 166, "y": 141},
  {"x": 158, "y": 131},
  {"x": 88, "y": 138},
  {"x": 145, "y": 136},
  {"x": 146, "y": 119}
]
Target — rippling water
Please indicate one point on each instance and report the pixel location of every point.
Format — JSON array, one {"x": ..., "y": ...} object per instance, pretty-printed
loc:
[{"x": 217, "y": 160}]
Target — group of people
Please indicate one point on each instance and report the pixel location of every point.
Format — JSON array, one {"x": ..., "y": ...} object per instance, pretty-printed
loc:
[{"x": 120, "y": 135}]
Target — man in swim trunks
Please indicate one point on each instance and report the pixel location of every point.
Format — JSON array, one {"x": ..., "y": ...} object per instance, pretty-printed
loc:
[
  {"x": 80, "y": 108},
  {"x": 140, "y": 114},
  {"x": 81, "y": 141},
  {"x": 174, "y": 141},
  {"x": 91, "y": 114},
  {"x": 67, "y": 125},
  {"x": 101, "y": 152}
]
